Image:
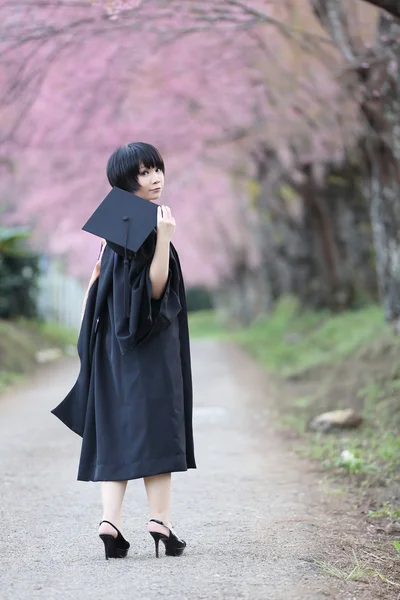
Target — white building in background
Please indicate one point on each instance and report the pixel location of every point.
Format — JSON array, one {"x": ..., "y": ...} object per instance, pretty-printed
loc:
[{"x": 60, "y": 296}]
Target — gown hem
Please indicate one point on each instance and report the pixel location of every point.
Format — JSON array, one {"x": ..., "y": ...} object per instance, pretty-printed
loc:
[{"x": 128, "y": 472}]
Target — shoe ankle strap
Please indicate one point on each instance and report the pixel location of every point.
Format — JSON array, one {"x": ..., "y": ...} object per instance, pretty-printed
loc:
[
  {"x": 159, "y": 522},
  {"x": 112, "y": 525}
]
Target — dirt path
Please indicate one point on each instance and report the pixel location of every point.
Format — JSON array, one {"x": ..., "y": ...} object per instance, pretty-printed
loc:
[{"x": 252, "y": 515}]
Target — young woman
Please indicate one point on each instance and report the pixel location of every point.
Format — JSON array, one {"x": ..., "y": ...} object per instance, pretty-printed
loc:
[{"x": 132, "y": 401}]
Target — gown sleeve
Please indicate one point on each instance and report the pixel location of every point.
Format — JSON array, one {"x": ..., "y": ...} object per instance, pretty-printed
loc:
[{"x": 147, "y": 316}]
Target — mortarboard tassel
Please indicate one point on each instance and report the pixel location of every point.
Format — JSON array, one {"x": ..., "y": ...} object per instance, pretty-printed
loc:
[{"x": 126, "y": 271}]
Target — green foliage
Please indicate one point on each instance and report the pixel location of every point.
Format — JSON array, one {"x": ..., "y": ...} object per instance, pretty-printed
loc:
[
  {"x": 19, "y": 270},
  {"x": 371, "y": 454},
  {"x": 17, "y": 352},
  {"x": 396, "y": 544},
  {"x": 54, "y": 333},
  {"x": 20, "y": 340},
  {"x": 198, "y": 298},
  {"x": 205, "y": 324},
  {"x": 317, "y": 348},
  {"x": 295, "y": 421},
  {"x": 7, "y": 379},
  {"x": 354, "y": 572},
  {"x": 291, "y": 342},
  {"x": 387, "y": 510},
  {"x": 17, "y": 348},
  {"x": 11, "y": 240}
]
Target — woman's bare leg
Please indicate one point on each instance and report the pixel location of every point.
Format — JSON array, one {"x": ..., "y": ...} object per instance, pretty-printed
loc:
[
  {"x": 158, "y": 490},
  {"x": 112, "y": 494}
]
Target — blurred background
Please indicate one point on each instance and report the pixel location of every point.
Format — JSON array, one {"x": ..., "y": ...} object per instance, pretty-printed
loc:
[
  {"x": 270, "y": 119},
  {"x": 279, "y": 123}
]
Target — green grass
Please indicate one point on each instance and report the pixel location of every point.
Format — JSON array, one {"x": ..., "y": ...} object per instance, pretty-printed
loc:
[
  {"x": 375, "y": 457},
  {"x": 372, "y": 452},
  {"x": 17, "y": 348},
  {"x": 7, "y": 379},
  {"x": 20, "y": 341},
  {"x": 290, "y": 343},
  {"x": 348, "y": 359},
  {"x": 55, "y": 333},
  {"x": 387, "y": 511},
  {"x": 205, "y": 324},
  {"x": 315, "y": 348},
  {"x": 355, "y": 572}
]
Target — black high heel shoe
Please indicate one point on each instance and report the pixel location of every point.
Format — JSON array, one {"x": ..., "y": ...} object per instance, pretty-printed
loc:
[
  {"x": 173, "y": 545},
  {"x": 115, "y": 547}
]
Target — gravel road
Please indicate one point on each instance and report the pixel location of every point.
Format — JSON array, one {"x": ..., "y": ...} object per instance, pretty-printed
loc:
[{"x": 249, "y": 513}]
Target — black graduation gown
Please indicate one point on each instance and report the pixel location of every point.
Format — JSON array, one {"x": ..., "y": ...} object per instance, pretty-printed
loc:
[{"x": 132, "y": 401}]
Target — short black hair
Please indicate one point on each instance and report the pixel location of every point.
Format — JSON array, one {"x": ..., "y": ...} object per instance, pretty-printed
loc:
[{"x": 124, "y": 164}]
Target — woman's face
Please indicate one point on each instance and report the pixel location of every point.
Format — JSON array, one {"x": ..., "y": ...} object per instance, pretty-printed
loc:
[{"x": 151, "y": 183}]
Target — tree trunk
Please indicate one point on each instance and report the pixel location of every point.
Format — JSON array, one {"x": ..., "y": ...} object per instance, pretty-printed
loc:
[
  {"x": 378, "y": 72},
  {"x": 382, "y": 111},
  {"x": 316, "y": 239},
  {"x": 385, "y": 219}
]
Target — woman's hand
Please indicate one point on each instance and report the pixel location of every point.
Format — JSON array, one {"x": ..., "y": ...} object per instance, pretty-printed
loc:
[
  {"x": 165, "y": 223},
  {"x": 160, "y": 264}
]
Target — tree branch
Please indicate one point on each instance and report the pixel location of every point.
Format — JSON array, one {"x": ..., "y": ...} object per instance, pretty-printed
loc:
[{"x": 333, "y": 18}]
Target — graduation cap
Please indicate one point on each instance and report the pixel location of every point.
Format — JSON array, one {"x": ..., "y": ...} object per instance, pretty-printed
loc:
[{"x": 124, "y": 221}]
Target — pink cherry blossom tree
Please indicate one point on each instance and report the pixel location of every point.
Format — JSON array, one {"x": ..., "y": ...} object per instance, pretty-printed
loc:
[
  {"x": 373, "y": 76},
  {"x": 69, "y": 147},
  {"x": 212, "y": 85}
]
